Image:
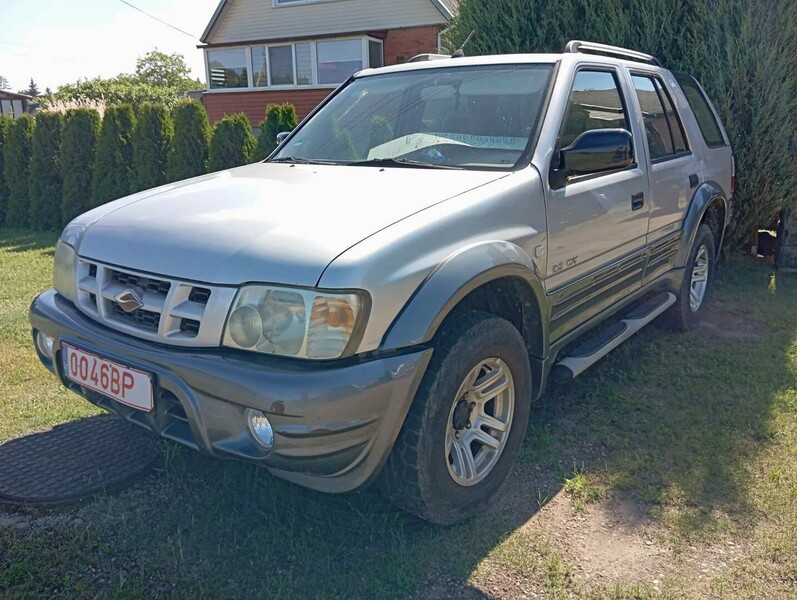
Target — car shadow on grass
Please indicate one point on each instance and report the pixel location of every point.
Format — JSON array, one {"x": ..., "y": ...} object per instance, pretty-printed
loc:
[{"x": 667, "y": 420}]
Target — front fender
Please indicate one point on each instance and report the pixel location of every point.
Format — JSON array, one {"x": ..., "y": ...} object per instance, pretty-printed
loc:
[
  {"x": 453, "y": 280},
  {"x": 703, "y": 197}
]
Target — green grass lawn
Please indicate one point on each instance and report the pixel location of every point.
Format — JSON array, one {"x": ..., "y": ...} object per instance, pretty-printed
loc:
[{"x": 666, "y": 471}]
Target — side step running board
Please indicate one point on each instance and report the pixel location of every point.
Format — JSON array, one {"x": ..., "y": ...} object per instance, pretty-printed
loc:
[{"x": 596, "y": 348}]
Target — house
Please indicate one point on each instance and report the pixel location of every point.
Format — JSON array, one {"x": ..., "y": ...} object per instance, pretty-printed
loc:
[
  {"x": 13, "y": 105},
  {"x": 260, "y": 52}
]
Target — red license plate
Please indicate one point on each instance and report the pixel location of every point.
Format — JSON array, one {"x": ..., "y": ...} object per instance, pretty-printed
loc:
[{"x": 128, "y": 386}]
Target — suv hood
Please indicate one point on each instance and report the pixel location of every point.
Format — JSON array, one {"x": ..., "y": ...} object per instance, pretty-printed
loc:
[{"x": 267, "y": 222}]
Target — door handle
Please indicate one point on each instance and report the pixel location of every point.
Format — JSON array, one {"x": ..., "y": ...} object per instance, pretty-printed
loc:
[
  {"x": 693, "y": 181},
  {"x": 637, "y": 201}
]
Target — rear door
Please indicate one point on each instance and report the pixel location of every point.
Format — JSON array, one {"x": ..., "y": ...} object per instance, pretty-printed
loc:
[
  {"x": 597, "y": 224},
  {"x": 672, "y": 168}
]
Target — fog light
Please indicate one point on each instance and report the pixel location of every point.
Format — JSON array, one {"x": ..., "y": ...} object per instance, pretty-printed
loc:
[
  {"x": 45, "y": 344},
  {"x": 260, "y": 428}
]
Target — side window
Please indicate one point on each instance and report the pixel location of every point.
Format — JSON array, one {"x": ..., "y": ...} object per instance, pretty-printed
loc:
[
  {"x": 702, "y": 110},
  {"x": 663, "y": 128},
  {"x": 595, "y": 103}
]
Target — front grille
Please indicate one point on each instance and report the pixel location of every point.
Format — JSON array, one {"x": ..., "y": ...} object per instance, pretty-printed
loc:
[
  {"x": 172, "y": 312},
  {"x": 145, "y": 319},
  {"x": 152, "y": 286}
]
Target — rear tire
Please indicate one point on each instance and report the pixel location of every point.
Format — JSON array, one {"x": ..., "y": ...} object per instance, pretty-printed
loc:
[
  {"x": 698, "y": 278},
  {"x": 466, "y": 424}
]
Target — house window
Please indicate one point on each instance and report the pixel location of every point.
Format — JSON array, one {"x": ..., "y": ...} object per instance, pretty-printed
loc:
[
  {"x": 376, "y": 54},
  {"x": 259, "y": 66},
  {"x": 280, "y": 59},
  {"x": 304, "y": 64},
  {"x": 227, "y": 68},
  {"x": 339, "y": 60}
]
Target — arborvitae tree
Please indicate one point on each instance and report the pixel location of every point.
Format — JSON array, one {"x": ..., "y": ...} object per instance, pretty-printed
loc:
[
  {"x": 5, "y": 123},
  {"x": 232, "y": 144},
  {"x": 742, "y": 52},
  {"x": 45, "y": 172},
  {"x": 78, "y": 145},
  {"x": 16, "y": 159},
  {"x": 152, "y": 142},
  {"x": 113, "y": 164},
  {"x": 189, "y": 155},
  {"x": 279, "y": 118}
]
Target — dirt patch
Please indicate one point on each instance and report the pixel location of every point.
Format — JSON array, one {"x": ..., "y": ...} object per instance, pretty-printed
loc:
[{"x": 724, "y": 321}]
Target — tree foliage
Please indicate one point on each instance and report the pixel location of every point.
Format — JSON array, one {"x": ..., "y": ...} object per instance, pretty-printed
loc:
[
  {"x": 45, "y": 172},
  {"x": 78, "y": 145},
  {"x": 232, "y": 144},
  {"x": 152, "y": 142},
  {"x": 279, "y": 118},
  {"x": 33, "y": 89},
  {"x": 16, "y": 166},
  {"x": 742, "y": 51},
  {"x": 4, "y": 85},
  {"x": 189, "y": 155},
  {"x": 159, "y": 79},
  {"x": 113, "y": 164},
  {"x": 5, "y": 123}
]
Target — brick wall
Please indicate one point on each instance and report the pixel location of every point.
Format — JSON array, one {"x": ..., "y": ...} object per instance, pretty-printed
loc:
[
  {"x": 400, "y": 46},
  {"x": 254, "y": 103}
]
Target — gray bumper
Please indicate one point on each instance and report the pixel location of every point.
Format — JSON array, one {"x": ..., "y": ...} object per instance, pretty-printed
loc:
[{"x": 334, "y": 423}]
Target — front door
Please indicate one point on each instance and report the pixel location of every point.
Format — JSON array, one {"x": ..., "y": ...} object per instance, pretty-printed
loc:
[{"x": 597, "y": 223}]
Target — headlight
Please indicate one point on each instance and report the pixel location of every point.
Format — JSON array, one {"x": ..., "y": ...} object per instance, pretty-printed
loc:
[
  {"x": 64, "y": 280},
  {"x": 292, "y": 322}
]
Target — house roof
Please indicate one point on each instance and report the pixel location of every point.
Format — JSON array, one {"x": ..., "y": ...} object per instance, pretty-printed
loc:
[
  {"x": 14, "y": 95},
  {"x": 448, "y": 8}
]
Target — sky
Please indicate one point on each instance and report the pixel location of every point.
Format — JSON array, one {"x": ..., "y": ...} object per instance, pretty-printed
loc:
[{"x": 59, "y": 41}]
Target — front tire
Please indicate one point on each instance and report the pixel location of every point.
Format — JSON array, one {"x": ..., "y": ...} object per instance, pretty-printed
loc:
[
  {"x": 467, "y": 423},
  {"x": 698, "y": 278}
]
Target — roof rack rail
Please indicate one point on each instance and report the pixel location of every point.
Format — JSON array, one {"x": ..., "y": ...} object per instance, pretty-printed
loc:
[
  {"x": 574, "y": 46},
  {"x": 425, "y": 57}
]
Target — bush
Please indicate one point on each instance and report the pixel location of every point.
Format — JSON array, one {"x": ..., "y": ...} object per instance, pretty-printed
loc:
[
  {"x": 78, "y": 146},
  {"x": 152, "y": 142},
  {"x": 45, "y": 172},
  {"x": 232, "y": 144},
  {"x": 5, "y": 123},
  {"x": 279, "y": 118},
  {"x": 16, "y": 163},
  {"x": 189, "y": 155},
  {"x": 113, "y": 164},
  {"x": 741, "y": 51}
]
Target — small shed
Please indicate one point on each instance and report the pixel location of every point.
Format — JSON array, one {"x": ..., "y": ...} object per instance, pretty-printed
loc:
[{"x": 13, "y": 105}]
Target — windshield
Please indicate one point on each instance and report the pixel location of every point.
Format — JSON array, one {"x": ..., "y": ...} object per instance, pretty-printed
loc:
[{"x": 458, "y": 117}]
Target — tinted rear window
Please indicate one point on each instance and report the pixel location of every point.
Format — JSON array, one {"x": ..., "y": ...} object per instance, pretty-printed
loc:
[{"x": 702, "y": 110}]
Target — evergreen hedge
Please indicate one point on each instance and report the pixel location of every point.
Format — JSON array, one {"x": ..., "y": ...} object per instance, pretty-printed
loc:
[
  {"x": 232, "y": 144},
  {"x": 189, "y": 155},
  {"x": 114, "y": 157},
  {"x": 16, "y": 159},
  {"x": 5, "y": 123},
  {"x": 742, "y": 51},
  {"x": 45, "y": 172},
  {"x": 279, "y": 118},
  {"x": 78, "y": 146},
  {"x": 152, "y": 142}
]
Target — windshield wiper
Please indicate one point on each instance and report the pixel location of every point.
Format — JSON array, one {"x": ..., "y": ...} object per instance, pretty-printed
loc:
[
  {"x": 399, "y": 162},
  {"x": 302, "y": 161}
]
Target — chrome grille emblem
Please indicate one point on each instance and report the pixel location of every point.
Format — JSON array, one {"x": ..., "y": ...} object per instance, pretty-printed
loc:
[{"x": 129, "y": 300}]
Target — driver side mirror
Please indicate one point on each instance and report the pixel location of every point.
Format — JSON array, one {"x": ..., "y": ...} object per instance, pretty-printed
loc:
[
  {"x": 282, "y": 136},
  {"x": 594, "y": 151}
]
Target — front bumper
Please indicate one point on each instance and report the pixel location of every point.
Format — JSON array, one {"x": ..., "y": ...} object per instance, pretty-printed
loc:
[{"x": 334, "y": 423}]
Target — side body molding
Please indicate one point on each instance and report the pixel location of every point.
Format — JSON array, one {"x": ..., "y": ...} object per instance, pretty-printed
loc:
[
  {"x": 704, "y": 196},
  {"x": 453, "y": 280}
]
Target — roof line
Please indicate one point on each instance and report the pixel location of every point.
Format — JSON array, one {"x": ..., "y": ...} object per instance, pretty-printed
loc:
[
  {"x": 212, "y": 22},
  {"x": 439, "y": 4},
  {"x": 443, "y": 9}
]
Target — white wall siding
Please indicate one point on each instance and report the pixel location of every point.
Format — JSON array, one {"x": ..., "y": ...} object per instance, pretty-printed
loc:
[{"x": 246, "y": 20}]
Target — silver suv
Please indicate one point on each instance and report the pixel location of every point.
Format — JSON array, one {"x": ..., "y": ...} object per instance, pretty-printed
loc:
[{"x": 386, "y": 295}]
